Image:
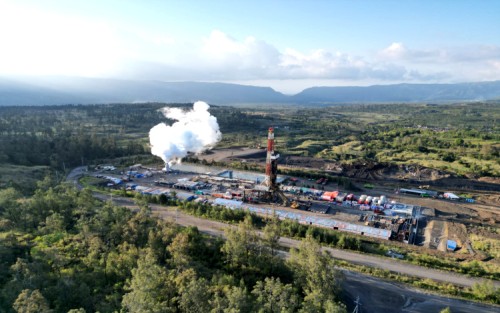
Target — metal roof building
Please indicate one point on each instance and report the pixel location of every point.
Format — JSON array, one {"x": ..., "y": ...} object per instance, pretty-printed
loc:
[{"x": 322, "y": 222}]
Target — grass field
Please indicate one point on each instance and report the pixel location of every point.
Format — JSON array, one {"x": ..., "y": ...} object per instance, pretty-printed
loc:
[{"x": 23, "y": 177}]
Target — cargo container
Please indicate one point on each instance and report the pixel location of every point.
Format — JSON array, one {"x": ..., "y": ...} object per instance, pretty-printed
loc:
[
  {"x": 326, "y": 197},
  {"x": 341, "y": 197},
  {"x": 329, "y": 195}
]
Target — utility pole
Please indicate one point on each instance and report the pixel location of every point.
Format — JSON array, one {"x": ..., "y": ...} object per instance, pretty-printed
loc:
[{"x": 358, "y": 304}]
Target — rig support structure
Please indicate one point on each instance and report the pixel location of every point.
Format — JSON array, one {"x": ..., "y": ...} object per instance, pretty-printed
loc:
[{"x": 270, "y": 186}]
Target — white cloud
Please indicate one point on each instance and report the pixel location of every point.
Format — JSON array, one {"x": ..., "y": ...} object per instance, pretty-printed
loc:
[
  {"x": 321, "y": 64},
  {"x": 220, "y": 45},
  {"x": 395, "y": 51},
  {"x": 221, "y": 57},
  {"x": 444, "y": 64},
  {"x": 474, "y": 53},
  {"x": 35, "y": 42},
  {"x": 225, "y": 56}
]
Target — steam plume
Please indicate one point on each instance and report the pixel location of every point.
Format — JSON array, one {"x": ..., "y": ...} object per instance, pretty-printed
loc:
[{"x": 195, "y": 131}]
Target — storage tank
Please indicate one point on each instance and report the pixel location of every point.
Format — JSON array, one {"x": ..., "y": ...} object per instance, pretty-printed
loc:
[
  {"x": 383, "y": 200},
  {"x": 362, "y": 199},
  {"x": 368, "y": 200}
]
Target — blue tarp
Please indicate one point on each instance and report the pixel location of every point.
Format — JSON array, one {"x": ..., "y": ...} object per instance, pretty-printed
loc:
[
  {"x": 233, "y": 204},
  {"x": 451, "y": 245}
]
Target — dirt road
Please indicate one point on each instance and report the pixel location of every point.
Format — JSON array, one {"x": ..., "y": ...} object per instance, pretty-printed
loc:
[
  {"x": 217, "y": 229},
  {"x": 376, "y": 295}
]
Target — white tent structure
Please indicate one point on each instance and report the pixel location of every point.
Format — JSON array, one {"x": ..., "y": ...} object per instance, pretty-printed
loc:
[{"x": 450, "y": 196}]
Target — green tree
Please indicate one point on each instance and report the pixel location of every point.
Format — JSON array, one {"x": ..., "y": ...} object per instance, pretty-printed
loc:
[
  {"x": 180, "y": 251},
  {"x": 315, "y": 272},
  {"x": 195, "y": 297},
  {"x": 161, "y": 236},
  {"x": 272, "y": 296},
  {"x": 241, "y": 245},
  {"x": 137, "y": 229},
  {"x": 120, "y": 262},
  {"x": 31, "y": 301},
  {"x": 26, "y": 275},
  {"x": 53, "y": 223},
  {"x": 9, "y": 207},
  {"x": 272, "y": 235},
  {"x": 228, "y": 298},
  {"x": 237, "y": 300},
  {"x": 332, "y": 307},
  {"x": 484, "y": 289},
  {"x": 150, "y": 291}
]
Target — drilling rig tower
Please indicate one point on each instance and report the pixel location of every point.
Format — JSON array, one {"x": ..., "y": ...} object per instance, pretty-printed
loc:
[{"x": 270, "y": 187}]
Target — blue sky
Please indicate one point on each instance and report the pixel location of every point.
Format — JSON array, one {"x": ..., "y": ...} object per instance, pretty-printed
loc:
[{"x": 288, "y": 45}]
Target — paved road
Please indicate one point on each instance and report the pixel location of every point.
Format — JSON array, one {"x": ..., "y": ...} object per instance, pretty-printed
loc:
[
  {"x": 75, "y": 174},
  {"x": 381, "y": 296}
]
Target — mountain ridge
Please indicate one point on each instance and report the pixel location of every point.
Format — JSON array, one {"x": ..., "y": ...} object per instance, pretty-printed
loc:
[
  {"x": 77, "y": 90},
  {"x": 403, "y": 92}
]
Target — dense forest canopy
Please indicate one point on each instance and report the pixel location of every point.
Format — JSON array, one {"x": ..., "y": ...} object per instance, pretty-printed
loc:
[{"x": 63, "y": 250}]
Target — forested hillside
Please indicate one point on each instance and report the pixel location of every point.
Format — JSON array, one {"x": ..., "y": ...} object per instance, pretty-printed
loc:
[{"x": 63, "y": 251}]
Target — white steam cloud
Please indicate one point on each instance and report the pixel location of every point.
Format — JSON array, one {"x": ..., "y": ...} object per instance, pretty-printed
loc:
[{"x": 195, "y": 131}]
